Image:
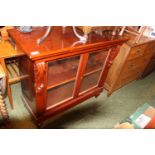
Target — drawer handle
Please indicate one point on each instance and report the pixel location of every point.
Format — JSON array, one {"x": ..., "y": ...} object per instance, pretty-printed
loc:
[
  {"x": 130, "y": 66},
  {"x": 138, "y": 51}
]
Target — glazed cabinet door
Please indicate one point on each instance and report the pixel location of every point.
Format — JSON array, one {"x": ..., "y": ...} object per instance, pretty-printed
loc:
[
  {"x": 93, "y": 70},
  {"x": 68, "y": 78},
  {"x": 60, "y": 80}
]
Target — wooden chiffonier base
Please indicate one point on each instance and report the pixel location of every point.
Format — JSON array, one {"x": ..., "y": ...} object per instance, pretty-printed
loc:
[{"x": 61, "y": 75}]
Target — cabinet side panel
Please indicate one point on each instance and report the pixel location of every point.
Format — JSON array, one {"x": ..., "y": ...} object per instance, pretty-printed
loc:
[
  {"x": 116, "y": 68},
  {"x": 27, "y": 84}
]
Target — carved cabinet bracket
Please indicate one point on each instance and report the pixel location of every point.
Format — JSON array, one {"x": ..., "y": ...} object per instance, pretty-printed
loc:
[
  {"x": 114, "y": 51},
  {"x": 39, "y": 69}
]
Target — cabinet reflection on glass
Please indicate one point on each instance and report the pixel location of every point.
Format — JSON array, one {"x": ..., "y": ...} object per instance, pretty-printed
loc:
[
  {"x": 62, "y": 75},
  {"x": 93, "y": 70},
  {"x": 62, "y": 71},
  {"x": 61, "y": 79},
  {"x": 96, "y": 61},
  {"x": 59, "y": 94}
]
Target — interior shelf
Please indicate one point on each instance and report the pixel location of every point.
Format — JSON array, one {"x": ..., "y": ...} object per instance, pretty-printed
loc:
[
  {"x": 89, "y": 81},
  {"x": 92, "y": 71},
  {"x": 64, "y": 71}
]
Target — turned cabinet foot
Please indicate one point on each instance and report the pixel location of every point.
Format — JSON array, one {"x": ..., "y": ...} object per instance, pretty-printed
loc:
[{"x": 109, "y": 94}]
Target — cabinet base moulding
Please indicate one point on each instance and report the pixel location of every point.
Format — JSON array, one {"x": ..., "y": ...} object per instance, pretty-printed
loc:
[{"x": 61, "y": 107}]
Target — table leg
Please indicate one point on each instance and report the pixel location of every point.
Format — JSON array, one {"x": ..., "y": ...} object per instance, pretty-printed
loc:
[
  {"x": 8, "y": 85},
  {"x": 4, "y": 111}
]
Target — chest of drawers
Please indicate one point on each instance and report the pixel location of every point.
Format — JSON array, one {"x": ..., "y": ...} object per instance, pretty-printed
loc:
[
  {"x": 151, "y": 65},
  {"x": 129, "y": 63},
  {"x": 62, "y": 75}
]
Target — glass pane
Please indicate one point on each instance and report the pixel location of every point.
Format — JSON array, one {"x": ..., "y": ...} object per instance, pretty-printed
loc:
[
  {"x": 93, "y": 69},
  {"x": 62, "y": 71},
  {"x": 96, "y": 61},
  {"x": 59, "y": 94},
  {"x": 89, "y": 81}
]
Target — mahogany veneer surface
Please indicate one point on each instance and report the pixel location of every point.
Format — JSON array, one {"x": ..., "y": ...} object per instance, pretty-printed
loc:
[
  {"x": 57, "y": 42},
  {"x": 62, "y": 72}
]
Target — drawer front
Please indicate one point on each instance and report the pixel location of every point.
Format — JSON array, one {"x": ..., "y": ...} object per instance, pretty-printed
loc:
[
  {"x": 150, "y": 68},
  {"x": 132, "y": 70},
  {"x": 137, "y": 51},
  {"x": 150, "y": 49},
  {"x": 136, "y": 64},
  {"x": 127, "y": 79}
]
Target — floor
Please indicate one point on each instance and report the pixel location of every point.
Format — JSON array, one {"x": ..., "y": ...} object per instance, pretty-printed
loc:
[{"x": 102, "y": 112}]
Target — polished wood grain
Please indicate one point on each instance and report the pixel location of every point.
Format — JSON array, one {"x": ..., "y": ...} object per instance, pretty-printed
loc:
[
  {"x": 26, "y": 67},
  {"x": 58, "y": 42},
  {"x": 40, "y": 86},
  {"x": 112, "y": 53},
  {"x": 80, "y": 73},
  {"x": 151, "y": 65},
  {"x": 62, "y": 73},
  {"x": 8, "y": 51}
]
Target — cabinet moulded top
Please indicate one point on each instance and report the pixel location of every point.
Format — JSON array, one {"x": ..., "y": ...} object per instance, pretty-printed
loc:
[{"x": 59, "y": 42}]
